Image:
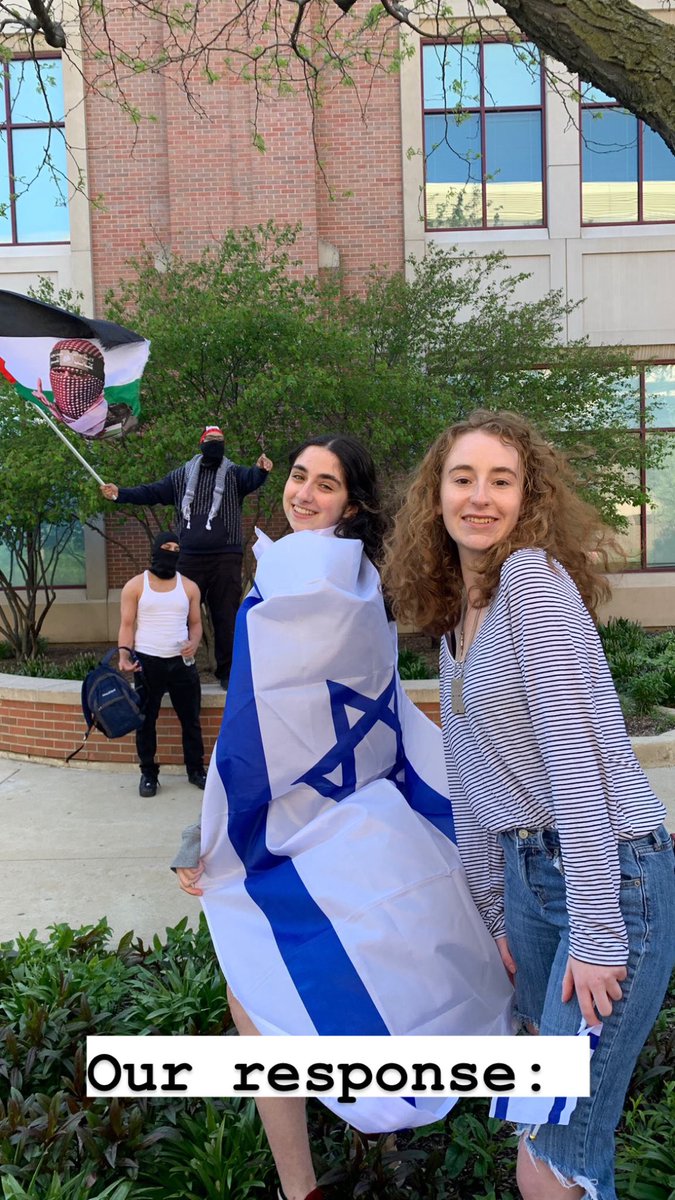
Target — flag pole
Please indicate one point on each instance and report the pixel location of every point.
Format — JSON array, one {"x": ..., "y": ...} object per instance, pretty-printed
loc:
[{"x": 70, "y": 446}]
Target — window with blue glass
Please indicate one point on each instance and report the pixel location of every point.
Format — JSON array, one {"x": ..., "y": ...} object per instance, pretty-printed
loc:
[
  {"x": 649, "y": 540},
  {"x": 628, "y": 172},
  {"x": 33, "y": 183},
  {"x": 483, "y": 135}
]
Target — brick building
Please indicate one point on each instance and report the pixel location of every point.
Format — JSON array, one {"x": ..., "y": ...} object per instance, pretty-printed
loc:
[{"x": 585, "y": 205}]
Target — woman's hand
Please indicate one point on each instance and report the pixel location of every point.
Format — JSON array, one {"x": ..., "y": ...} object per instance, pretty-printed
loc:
[
  {"x": 188, "y": 876},
  {"x": 506, "y": 956},
  {"x": 596, "y": 987}
]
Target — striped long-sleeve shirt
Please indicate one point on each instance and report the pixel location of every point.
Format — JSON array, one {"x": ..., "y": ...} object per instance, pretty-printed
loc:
[{"x": 543, "y": 744}]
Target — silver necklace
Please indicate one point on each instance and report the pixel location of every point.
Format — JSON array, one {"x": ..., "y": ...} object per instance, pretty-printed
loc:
[{"x": 457, "y": 684}]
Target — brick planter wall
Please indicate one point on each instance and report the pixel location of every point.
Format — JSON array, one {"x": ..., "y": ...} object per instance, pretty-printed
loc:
[{"x": 42, "y": 719}]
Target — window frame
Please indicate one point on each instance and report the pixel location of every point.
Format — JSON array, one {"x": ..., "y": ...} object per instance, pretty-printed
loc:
[
  {"x": 643, "y": 432},
  {"x": 482, "y": 110},
  {"x": 8, "y": 126},
  {"x": 639, "y": 181}
]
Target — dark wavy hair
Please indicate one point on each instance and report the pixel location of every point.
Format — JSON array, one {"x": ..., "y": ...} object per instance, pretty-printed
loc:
[{"x": 368, "y": 522}]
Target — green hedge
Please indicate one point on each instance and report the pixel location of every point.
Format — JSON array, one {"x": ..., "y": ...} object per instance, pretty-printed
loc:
[
  {"x": 642, "y": 664},
  {"x": 57, "y": 1144}
]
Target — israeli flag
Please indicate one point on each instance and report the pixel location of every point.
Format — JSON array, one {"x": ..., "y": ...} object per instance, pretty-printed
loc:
[
  {"x": 333, "y": 887},
  {"x": 543, "y": 1110}
]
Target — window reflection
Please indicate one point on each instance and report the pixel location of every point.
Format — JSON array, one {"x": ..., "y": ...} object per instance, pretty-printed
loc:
[
  {"x": 451, "y": 76},
  {"x": 658, "y": 188},
  {"x": 512, "y": 76},
  {"x": 628, "y": 172},
  {"x": 69, "y": 570},
  {"x": 660, "y": 524},
  {"x": 515, "y": 193},
  {"x": 660, "y": 390},
  {"x": 483, "y": 152},
  {"x": 454, "y": 189},
  {"x": 40, "y": 184},
  {"x": 629, "y": 541},
  {"x": 609, "y": 165},
  {"x": 5, "y": 209},
  {"x": 36, "y": 93},
  {"x": 33, "y": 184}
]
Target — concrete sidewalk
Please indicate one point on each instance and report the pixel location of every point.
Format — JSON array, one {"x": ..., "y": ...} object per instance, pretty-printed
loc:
[{"x": 80, "y": 844}]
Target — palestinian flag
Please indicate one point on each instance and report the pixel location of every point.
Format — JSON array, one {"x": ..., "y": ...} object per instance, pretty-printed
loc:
[{"x": 86, "y": 374}]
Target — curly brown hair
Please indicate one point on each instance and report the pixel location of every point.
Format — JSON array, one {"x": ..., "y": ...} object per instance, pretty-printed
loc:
[{"x": 421, "y": 572}]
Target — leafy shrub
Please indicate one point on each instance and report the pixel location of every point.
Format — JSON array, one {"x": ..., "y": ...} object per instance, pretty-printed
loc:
[
  {"x": 621, "y": 635},
  {"x": 221, "y": 1150},
  {"x": 642, "y": 664},
  {"x": 76, "y": 1188},
  {"x": 646, "y": 691},
  {"x": 41, "y": 667},
  {"x": 413, "y": 666},
  {"x": 646, "y": 1149},
  {"x": 56, "y": 1143}
]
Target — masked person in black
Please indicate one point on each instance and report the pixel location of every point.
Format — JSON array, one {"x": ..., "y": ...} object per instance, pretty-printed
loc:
[
  {"x": 207, "y": 493},
  {"x": 161, "y": 621}
]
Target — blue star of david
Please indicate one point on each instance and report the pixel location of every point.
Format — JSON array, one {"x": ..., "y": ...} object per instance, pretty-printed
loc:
[{"x": 347, "y": 739}]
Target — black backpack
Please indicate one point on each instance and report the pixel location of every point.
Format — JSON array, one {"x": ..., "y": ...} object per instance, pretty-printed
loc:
[{"x": 109, "y": 703}]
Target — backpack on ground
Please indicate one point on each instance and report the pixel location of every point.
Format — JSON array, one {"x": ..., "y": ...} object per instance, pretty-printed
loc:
[{"x": 109, "y": 703}]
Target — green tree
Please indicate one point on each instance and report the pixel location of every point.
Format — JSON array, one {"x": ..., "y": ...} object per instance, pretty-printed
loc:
[
  {"x": 242, "y": 338},
  {"x": 457, "y": 328},
  {"x": 39, "y": 503},
  {"x": 38, "y": 514}
]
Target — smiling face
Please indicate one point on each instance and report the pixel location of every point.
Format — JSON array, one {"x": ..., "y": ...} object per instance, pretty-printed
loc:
[
  {"x": 481, "y": 493},
  {"x": 315, "y": 495}
]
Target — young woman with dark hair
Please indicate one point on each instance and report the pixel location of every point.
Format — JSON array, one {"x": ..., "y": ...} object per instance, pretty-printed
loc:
[
  {"x": 363, "y": 516},
  {"x": 331, "y": 881}
]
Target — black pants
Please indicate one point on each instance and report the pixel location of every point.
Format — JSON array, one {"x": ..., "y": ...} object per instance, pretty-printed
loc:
[
  {"x": 218, "y": 577},
  {"x": 170, "y": 675}
]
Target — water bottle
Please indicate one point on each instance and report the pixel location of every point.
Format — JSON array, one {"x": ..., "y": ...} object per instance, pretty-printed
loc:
[{"x": 189, "y": 662}]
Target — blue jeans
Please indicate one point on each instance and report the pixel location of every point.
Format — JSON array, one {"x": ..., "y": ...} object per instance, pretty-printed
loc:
[{"x": 538, "y": 933}]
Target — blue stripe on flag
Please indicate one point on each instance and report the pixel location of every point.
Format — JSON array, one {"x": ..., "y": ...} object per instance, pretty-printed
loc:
[
  {"x": 428, "y": 802},
  {"x": 325, "y": 977},
  {"x": 421, "y": 797},
  {"x": 556, "y": 1110}
]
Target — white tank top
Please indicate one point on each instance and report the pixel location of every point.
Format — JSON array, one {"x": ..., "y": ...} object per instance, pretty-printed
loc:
[{"x": 161, "y": 621}]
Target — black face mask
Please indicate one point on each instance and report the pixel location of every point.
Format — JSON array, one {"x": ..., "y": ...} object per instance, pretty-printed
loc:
[
  {"x": 164, "y": 562},
  {"x": 213, "y": 453}
]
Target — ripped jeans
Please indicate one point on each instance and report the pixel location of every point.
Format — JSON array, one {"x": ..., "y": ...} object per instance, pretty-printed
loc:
[{"x": 537, "y": 931}]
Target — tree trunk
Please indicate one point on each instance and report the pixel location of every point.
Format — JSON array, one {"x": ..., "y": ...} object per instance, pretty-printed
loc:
[{"x": 613, "y": 44}]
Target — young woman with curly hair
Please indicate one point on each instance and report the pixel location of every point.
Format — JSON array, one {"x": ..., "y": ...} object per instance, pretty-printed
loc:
[{"x": 494, "y": 550}]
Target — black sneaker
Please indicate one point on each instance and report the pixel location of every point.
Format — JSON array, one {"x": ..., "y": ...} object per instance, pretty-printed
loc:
[
  {"x": 198, "y": 778},
  {"x": 148, "y": 786},
  {"x": 224, "y": 682}
]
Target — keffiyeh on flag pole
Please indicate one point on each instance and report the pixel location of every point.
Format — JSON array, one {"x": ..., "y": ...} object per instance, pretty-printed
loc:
[
  {"x": 333, "y": 887},
  {"x": 80, "y": 373}
]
